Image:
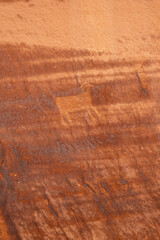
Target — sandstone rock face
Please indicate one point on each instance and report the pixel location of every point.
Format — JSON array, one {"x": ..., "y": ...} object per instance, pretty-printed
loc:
[{"x": 79, "y": 120}]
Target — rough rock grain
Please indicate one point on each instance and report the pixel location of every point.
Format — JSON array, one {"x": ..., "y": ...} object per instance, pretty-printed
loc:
[{"x": 79, "y": 120}]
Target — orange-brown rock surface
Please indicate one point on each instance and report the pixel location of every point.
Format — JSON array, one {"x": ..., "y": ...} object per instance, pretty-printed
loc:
[{"x": 79, "y": 119}]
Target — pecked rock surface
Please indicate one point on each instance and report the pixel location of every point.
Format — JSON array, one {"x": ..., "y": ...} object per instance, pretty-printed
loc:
[{"x": 79, "y": 120}]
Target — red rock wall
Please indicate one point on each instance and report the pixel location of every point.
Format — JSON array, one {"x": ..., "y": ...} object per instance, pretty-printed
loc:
[{"x": 79, "y": 119}]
